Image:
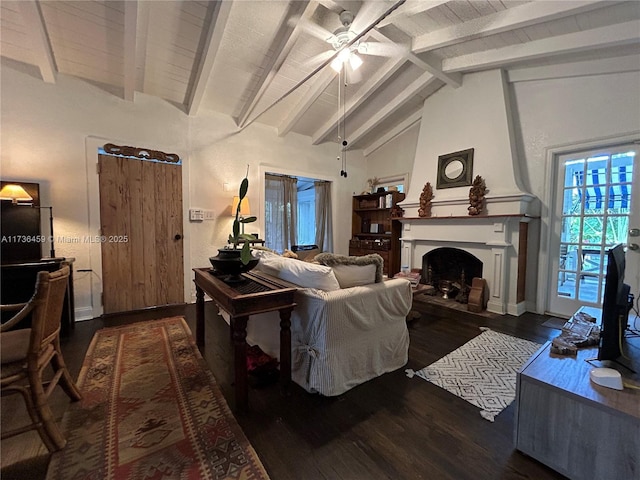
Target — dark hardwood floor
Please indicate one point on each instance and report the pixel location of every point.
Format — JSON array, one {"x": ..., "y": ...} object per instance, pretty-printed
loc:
[{"x": 392, "y": 427}]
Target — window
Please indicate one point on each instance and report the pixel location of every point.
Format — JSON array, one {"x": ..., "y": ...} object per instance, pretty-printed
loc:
[
  {"x": 398, "y": 181},
  {"x": 306, "y": 212},
  {"x": 291, "y": 212}
]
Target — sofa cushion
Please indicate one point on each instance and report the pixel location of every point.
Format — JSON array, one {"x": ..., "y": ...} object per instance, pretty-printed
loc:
[
  {"x": 355, "y": 275},
  {"x": 308, "y": 255},
  {"x": 333, "y": 260},
  {"x": 307, "y": 275}
]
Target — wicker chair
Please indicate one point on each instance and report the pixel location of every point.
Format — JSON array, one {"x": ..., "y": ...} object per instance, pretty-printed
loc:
[{"x": 27, "y": 352}]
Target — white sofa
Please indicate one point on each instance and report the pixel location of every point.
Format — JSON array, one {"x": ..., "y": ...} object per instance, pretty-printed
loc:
[{"x": 340, "y": 336}]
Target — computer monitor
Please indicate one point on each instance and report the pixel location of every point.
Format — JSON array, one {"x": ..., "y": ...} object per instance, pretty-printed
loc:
[{"x": 615, "y": 306}]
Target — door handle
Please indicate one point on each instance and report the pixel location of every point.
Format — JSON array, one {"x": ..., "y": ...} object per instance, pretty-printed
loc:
[
  {"x": 177, "y": 237},
  {"x": 632, "y": 246}
]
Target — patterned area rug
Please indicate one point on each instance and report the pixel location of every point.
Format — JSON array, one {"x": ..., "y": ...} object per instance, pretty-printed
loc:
[
  {"x": 482, "y": 371},
  {"x": 151, "y": 410}
]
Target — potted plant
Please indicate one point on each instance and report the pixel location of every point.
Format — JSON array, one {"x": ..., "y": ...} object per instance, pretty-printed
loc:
[{"x": 231, "y": 260}]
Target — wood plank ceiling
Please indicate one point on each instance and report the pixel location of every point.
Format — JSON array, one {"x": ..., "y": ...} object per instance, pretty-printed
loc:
[{"x": 257, "y": 61}]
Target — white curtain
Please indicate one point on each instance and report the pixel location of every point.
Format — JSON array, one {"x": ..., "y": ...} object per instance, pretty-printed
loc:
[
  {"x": 324, "y": 229},
  {"x": 281, "y": 206}
]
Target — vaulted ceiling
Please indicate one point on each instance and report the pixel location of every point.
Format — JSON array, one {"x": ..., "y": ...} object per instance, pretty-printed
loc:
[{"x": 267, "y": 60}]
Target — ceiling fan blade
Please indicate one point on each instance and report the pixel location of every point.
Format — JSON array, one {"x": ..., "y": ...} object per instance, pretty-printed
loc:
[
  {"x": 316, "y": 60},
  {"x": 311, "y": 28},
  {"x": 383, "y": 49}
]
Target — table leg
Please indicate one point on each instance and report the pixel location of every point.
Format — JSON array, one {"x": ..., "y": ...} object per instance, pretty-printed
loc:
[
  {"x": 285, "y": 348},
  {"x": 239, "y": 335},
  {"x": 200, "y": 318}
]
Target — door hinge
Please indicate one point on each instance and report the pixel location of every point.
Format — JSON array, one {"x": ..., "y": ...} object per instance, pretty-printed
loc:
[{"x": 98, "y": 168}]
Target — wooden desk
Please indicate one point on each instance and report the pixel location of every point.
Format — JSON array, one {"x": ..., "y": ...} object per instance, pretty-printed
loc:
[
  {"x": 258, "y": 294},
  {"x": 582, "y": 430}
]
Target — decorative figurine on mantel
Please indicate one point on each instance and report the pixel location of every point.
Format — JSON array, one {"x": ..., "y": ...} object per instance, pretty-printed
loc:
[
  {"x": 476, "y": 196},
  {"x": 397, "y": 211},
  {"x": 425, "y": 201}
]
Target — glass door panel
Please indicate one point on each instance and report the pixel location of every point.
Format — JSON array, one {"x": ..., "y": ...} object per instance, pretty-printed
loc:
[{"x": 592, "y": 209}]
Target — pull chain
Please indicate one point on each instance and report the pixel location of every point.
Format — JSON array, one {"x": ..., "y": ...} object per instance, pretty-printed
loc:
[{"x": 343, "y": 172}]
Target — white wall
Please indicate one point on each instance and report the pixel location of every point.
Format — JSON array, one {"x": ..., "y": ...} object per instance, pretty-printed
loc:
[
  {"x": 558, "y": 114},
  {"x": 218, "y": 156},
  {"x": 528, "y": 118},
  {"x": 569, "y": 111},
  {"x": 394, "y": 157},
  {"x": 50, "y": 133},
  {"x": 475, "y": 115},
  {"x": 44, "y": 131}
]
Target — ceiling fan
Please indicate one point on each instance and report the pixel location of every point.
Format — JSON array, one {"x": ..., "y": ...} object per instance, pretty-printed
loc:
[{"x": 348, "y": 58}]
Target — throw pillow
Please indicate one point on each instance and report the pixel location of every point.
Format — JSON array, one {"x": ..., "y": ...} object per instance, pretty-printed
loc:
[
  {"x": 307, "y": 275},
  {"x": 355, "y": 275},
  {"x": 331, "y": 260},
  {"x": 308, "y": 255}
]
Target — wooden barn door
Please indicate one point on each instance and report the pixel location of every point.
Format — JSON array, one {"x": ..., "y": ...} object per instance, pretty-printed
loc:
[{"x": 141, "y": 237}]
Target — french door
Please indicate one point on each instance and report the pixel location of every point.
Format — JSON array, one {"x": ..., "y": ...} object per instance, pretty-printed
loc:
[{"x": 595, "y": 208}]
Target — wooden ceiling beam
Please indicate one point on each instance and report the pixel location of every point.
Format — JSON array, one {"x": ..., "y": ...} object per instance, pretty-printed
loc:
[
  {"x": 142, "y": 31},
  {"x": 617, "y": 35},
  {"x": 217, "y": 17},
  {"x": 399, "y": 129},
  {"x": 427, "y": 63},
  {"x": 38, "y": 38},
  {"x": 411, "y": 7},
  {"x": 322, "y": 82},
  {"x": 130, "y": 48},
  {"x": 362, "y": 95},
  {"x": 504, "y": 21},
  {"x": 282, "y": 46},
  {"x": 403, "y": 97}
]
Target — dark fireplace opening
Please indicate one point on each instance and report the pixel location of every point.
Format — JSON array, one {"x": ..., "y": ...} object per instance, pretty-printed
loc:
[{"x": 451, "y": 271}]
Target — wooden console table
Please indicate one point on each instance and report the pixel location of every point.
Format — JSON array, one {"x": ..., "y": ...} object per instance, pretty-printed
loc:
[
  {"x": 582, "y": 430},
  {"x": 259, "y": 293}
]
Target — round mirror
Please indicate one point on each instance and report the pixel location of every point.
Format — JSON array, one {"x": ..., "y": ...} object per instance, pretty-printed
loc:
[{"x": 454, "y": 169}]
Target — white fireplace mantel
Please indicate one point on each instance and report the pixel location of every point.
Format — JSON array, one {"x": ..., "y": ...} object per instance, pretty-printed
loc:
[{"x": 494, "y": 239}]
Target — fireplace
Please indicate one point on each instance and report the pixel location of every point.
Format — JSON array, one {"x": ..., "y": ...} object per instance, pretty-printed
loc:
[
  {"x": 496, "y": 243},
  {"x": 451, "y": 268}
]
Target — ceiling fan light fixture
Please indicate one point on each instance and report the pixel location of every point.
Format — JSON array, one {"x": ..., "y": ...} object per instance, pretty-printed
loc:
[
  {"x": 336, "y": 64},
  {"x": 355, "y": 61},
  {"x": 342, "y": 57}
]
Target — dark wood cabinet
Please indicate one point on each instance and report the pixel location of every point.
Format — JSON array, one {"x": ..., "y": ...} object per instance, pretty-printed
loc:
[{"x": 374, "y": 231}]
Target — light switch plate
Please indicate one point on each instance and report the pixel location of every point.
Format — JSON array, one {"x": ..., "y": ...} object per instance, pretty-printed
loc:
[{"x": 196, "y": 215}]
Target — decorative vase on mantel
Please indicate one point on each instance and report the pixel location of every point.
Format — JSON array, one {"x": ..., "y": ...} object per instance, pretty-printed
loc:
[{"x": 229, "y": 266}]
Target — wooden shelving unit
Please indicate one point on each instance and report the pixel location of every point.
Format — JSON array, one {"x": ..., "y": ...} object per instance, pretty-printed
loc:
[{"x": 374, "y": 231}]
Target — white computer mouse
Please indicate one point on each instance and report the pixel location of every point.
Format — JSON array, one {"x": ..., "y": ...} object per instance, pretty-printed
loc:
[{"x": 607, "y": 377}]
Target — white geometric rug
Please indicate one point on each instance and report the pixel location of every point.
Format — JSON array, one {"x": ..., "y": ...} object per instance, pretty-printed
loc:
[{"x": 482, "y": 371}]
